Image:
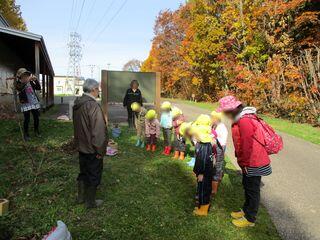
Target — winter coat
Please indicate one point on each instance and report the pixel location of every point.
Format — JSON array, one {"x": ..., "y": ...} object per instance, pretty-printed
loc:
[
  {"x": 140, "y": 122},
  {"x": 177, "y": 122},
  {"x": 204, "y": 158},
  {"x": 21, "y": 88},
  {"x": 152, "y": 127},
  {"x": 89, "y": 126},
  {"x": 246, "y": 139},
  {"x": 166, "y": 120},
  {"x": 132, "y": 97}
]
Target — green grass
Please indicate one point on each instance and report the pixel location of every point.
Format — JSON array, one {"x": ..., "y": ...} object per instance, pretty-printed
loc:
[
  {"x": 300, "y": 130},
  {"x": 147, "y": 196}
]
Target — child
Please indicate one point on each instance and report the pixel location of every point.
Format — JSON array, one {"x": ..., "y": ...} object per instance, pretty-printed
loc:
[
  {"x": 179, "y": 141},
  {"x": 139, "y": 122},
  {"x": 203, "y": 167},
  {"x": 152, "y": 130},
  {"x": 221, "y": 135},
  {"x": 166, "y": 125}
]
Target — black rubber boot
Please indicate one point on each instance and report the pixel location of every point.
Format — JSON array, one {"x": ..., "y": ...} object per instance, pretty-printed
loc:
[
  {"x": 37, "y": 133},
  {"x": 91, "y": 201},
  {"x": 26, "y": 137},
  {"x": 81, "y": 192}
]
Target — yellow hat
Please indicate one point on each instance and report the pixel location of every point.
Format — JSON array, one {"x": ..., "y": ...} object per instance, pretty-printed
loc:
[
  {"x": 218, "y": 115},
  {"x": 202, "y": 133},
  {"x": 184, "y": 127},
  {"x": 203, "y": 120},
  {"x": 166, "y": 105},
  {"x": 151, "y": 114},
  {"x": 176, "y": 112},
  {"x": 135, "y": 106}
]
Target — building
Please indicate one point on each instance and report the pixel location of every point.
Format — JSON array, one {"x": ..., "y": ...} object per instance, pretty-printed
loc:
[
  {"x": 24, "y": 49},
  {"x": 64, "y": 85}
]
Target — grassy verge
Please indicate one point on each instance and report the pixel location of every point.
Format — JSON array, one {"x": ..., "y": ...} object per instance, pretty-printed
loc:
[
  {"x": 147, "y": 196},
  {"x": 304, "y": 131}
]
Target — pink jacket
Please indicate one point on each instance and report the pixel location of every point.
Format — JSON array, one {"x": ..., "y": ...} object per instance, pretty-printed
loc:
[
  {"x": 153, "y": 127},
  {"x": 177, "y": 122}
]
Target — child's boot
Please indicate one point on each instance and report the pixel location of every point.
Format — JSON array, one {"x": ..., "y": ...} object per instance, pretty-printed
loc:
[
  {"x": 142, "y": 145},
  {"x": 176, "y": 155},
  {"x": 165, "y": 150},
  {"x": 154, "y": 147},
  {"x": 138, "y": 143},
  {"x": 168, "y": 151},
  {"x": 181, "y": 156},
  {"x": 148, "y": 147},
  {"x": 202, "y": 210},
  {"x": 215, "y": 185}
]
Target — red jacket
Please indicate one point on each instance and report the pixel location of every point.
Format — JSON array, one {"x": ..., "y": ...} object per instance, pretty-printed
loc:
[{"x": 246, "y": 137}]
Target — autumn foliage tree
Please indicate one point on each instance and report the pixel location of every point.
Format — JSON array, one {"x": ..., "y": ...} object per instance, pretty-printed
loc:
[
  {"x": 11, "y": 11},
  {"x": 264, "y": 51}
]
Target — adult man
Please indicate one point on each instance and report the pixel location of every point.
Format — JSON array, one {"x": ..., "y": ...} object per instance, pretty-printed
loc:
[{"x": 90, "y": 140}]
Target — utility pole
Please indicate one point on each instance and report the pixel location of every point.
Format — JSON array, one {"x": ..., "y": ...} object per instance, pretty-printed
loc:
[{"x": 75, "y": 56}]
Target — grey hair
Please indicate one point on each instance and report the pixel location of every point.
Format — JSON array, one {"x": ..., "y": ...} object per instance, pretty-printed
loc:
[{"x": 89, "y": 85}]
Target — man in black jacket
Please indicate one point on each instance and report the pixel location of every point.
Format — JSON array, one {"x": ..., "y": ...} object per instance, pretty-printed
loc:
[{"x": 133, "y": 94}]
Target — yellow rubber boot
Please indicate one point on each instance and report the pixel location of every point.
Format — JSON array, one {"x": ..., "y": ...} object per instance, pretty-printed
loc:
[
  {"x": 181, "y": 156},
  {"x": 202, "y": 211},
  {"x": 242, "y": 223},
  {"x": 176, "y": 155},
  {"x": 237, "y": 215}
]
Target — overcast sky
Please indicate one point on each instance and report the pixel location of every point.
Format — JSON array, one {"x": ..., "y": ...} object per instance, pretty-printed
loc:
[{"x": 113, "y": 31}]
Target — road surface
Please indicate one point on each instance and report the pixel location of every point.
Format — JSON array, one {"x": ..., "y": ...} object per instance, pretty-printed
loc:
[{"x": 292, "y": 193}]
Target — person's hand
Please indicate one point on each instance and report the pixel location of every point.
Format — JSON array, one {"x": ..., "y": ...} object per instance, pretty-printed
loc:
[
  {"x": 32, "y": 78},
  {"x": 98, "y": 156},
  {"x": 200, "y": 178}
]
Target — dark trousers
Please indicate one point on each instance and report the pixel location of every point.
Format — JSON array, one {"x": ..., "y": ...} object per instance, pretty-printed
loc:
[
  {"x": 219, "y": 165},
  {"x": 251, "y": 187},
  {"x": 179, "y": 143},
  {"x": 152, "y": 139},
  {"x": 35, "y": 113},
  {"x": 131, "y": 117},
  {"x": 204, "y": 189},
  {"x": 167, "y": 132},
  {"x": 90, "y": 169}
]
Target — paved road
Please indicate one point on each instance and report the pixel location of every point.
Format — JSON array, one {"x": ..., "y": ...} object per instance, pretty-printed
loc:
[{"x": 292, "y": 193}]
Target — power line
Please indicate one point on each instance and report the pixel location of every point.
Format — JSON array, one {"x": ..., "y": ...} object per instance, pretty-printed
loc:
[
  {"x": 71, "y": 14},
  {"x": 111, "y": 20},
  {"x": 89, "y": 14},
  {"x": 103, "y": 17},
  {"x": 81, "y": 10}
]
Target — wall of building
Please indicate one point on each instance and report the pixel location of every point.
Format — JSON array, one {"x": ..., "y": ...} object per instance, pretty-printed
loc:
[
  {"x": 67, "y": 86},
  {"x": 9, "y": 63}
]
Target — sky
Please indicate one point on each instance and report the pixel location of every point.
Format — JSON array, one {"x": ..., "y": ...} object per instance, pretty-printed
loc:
[{"x": 112, "y": 31}]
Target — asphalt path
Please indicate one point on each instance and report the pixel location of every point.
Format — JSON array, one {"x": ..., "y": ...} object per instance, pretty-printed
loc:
[{"x": 292, "y": 193}]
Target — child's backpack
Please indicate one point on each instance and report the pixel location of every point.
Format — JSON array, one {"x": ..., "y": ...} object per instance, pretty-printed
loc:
[{"x": 272, "y": 141}]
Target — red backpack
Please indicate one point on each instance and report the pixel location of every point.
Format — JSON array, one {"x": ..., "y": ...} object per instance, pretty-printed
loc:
[{"x": 272, "y": 141}]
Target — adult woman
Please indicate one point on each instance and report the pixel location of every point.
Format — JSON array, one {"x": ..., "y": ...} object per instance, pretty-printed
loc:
[
  {"x": 251, "y": 155},
  {"x": 133, "y": 94},
  {"x": 26, "y": 84}
]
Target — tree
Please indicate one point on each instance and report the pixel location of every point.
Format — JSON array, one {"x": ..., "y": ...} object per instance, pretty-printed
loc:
[
  {"x": 266, "y": 52},
  {"x": 133, "y": 65},
  {"x": 12, "y": 13}
]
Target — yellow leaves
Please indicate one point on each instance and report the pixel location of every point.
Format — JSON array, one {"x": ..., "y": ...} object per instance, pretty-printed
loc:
[{"x": 196, "y": 81}]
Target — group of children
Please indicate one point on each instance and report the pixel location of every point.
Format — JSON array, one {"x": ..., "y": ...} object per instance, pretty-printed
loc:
[{"x": 207, "y": 133}]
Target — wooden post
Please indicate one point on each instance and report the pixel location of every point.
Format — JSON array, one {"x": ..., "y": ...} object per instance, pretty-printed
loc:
[
  {"x": 158, "y": 92},
  {"x": 37, "y": 69},
  {"x": 104, "y": 93}
]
